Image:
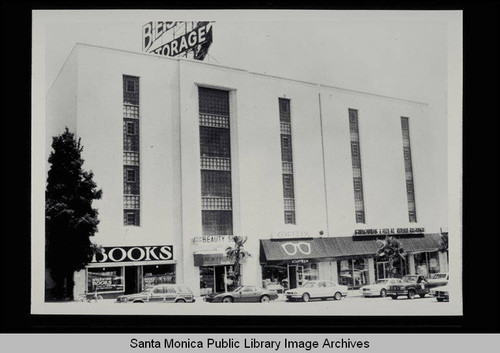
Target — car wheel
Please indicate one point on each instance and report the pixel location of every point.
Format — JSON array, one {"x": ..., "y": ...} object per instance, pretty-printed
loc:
[
  {"x": 138, "y": 301},
  {"x": 394, "y": 296},
  {"x": 227, "y": 300},
  {"x": 383, "y": 293},
  {"x": 440, "y": 299},
  {"x": 411, "y": 294},
  {"x": 306, "y": 297},
  {"x": 180, "y": 301},
  {"x": 422, "y": 295},
  {"x": 337, "y": 296},
  {"x": 265, "y": 299}
]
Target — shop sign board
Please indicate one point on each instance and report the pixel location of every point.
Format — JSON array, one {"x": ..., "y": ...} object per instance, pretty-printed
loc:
[
  {"x": 214, "y": 259},
  {"x": 389, "y": 231},
  {"x": 210, "y": 239},
  {"x": 120, "y": 254},
  {"x": 290, "y": 234}
]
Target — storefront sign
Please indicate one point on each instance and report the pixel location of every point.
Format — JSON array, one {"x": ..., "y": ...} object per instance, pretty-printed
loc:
[
  {"x": 210, "y": 239},
  {"x": 153, "y": 30},
  {"x": 134, "y": 253},
  {"x": 214, "y": 259},
  {"x": 294, "y": 248},
  {"x": 388, "y": 231},
  {"x": 290, "y": 234},
  {"x": 301, "y": 261}
]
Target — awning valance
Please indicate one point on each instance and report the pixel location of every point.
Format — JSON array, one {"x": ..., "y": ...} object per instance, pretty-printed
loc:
[{"x": 287, "y": 250}]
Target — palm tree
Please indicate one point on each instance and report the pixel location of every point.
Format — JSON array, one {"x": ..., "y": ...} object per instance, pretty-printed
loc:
[
  {"x": 392, "y": 250},
  {"x": 238, "y": 254}
]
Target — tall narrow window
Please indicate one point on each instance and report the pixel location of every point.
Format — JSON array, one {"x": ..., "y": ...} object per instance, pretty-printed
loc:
[
  {"x": 359, "y": 205},
  {"x": 131, "y": 186},
  {"x": 215, "y": 158},
  {"x": 410, "y": 187},
  {"x": 287, "y": 160}
]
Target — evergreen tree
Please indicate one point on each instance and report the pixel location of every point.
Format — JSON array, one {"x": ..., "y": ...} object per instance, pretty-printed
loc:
[
  {"x": 237, "y": 253},
  {"x": 392, "y": 250},
  {"x": 70, "y": 220}
]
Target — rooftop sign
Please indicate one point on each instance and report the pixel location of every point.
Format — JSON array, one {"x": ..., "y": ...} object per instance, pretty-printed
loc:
[{"x": 177, "y": 38}]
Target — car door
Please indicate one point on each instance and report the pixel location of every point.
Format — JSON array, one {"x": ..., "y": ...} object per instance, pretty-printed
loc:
[
  {"x": 329, "y": 289},
  {"x": 247, "y": 294},
  {"x": 157, "y": 294},
  {"x": 170, "y": 294}
]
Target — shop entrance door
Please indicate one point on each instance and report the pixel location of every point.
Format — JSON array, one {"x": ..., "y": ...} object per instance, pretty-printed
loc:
[
  {"x": 295, "y": 275},
  {"x": 132, "y": 283},
  {"x": 382, "y": 268},
  {"x": 220, "y": 274}
]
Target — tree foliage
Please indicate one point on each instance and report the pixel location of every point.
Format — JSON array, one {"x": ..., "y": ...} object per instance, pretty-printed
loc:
[
  {"x": 70, "y": 220},
  {"x": 393, "y": 251},
  {"x": 238, "y": 254}
]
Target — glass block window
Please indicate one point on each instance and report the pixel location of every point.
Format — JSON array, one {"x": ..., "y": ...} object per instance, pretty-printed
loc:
[
  {"x": 216, "y": 203},
  {"x": 131, "y": 202},
  {"x": 131, "y": 182},
  {"x": 215, "y": 163},
  {"x": 410, "y": 187},
  {"x": 217, "y": 222},
  {"x": 215, "y": 183},
  {"x": 131, "y": 158},
  {"x": 215, "y": 160},
  {"x": 359, "y": 207},
  {"x": 287, "y": 160}
]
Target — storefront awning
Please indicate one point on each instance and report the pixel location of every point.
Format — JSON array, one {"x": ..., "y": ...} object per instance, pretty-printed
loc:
[{"x": 288, "y": 250}]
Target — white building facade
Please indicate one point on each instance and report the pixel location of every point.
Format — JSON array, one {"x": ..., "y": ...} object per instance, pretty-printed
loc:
[{"x": 189, "y": 154}]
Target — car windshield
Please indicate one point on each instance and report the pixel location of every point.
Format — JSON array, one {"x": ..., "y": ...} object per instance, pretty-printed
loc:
[
  {"x": 309, "y": 285},
  {"x": 147, "y": 291},
  {"x": 439, "y": 275},
  {"x": 382, "y": 281},
  {"x": 237, "y": 289}
]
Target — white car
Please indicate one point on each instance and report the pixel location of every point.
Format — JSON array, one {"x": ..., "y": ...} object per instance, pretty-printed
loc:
[
  {"x": 317, "y": 289},
  {"x": 441, "y": 293},
  {"x": 379, "y": 288}
]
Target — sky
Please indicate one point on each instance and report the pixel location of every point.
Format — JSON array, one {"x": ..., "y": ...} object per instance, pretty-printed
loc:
[{"x": 401, "y": 54}]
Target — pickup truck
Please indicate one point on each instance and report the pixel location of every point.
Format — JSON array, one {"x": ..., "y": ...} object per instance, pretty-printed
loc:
[{"x": 412, "y": 285}]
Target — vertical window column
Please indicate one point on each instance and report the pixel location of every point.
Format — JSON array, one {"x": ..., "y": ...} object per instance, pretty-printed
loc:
[
  {"x": 215, "y": 159},
  {"x": 131, "y": 185},
  {"x": 287, "y": 160},
  {"x": 357, "y": 175},
  {"x": 410, "y": 187}
]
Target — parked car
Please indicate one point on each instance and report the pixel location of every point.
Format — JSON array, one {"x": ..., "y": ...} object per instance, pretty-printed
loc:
[
  {"x": 164, "y": 293},
  {"x": 412, "y": 285},
  {"x": 242, "y": 294},
  {"x": 441, "y": 293},
  {"x": 317, "y": 289},
  {"x": 379, "y": 288}
]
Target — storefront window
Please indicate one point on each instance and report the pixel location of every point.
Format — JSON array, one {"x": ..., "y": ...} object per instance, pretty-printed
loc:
[
  {"x": 353, "y": 272},
  {"x": 216, "y": 279},
  {"x": 426, "y": 263},
  {"x": 109, "y": 279},
  {"x": 275, "y": 277},
  {"x": 157, "y": 274}
]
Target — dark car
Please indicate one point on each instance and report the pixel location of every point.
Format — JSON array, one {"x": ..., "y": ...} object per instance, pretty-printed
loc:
[
  {"x": 410, "y": 287},
  {"x": 162, "y": 293},
  {"x": 243, "y": 294}
]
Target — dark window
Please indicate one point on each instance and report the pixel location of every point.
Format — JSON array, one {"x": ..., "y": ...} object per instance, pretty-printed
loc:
[
  {"x": 289, "y": 217},
  {"x": 286, "y": 148},
  {"x": 288, "y": 189},
  {"x": 360, "y": 216},
  {"x": 353, "y": 120},
  {"x": 130, "y": 90},
  {"x": 131, "y": 217},
  {"x": 410, "y": 189},
  {"x": 131, "y": 176},
  {"x": 215, "y": 183},
  {"x": 284, "y": 106},
  {"x": 130, "y": 86},
  {"x": 356, "y": 166},
  {"x": 131, "y": 128},
  {"x": 217, "y": 222},
  {"x": 214, "y": 142},
  {"x": 213, "y": 101},
  {"x": 131, "y": 180}
]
